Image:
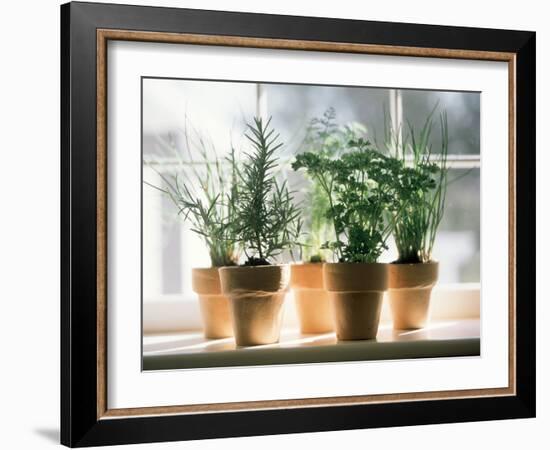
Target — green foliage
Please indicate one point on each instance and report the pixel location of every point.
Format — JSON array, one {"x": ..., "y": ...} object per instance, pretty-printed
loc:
[
  {"x": 205, "y": 194},
  {"x": 266, "y": 221},
  {"x": 422, "y": 189},
  {"x": 324, "y": 137},
  {"x": 361, "y": 192},
  {"x": 319, "y": 228}
]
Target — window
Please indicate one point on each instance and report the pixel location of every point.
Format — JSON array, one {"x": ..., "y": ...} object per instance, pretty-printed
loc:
[{"x": 218, "y": 111}]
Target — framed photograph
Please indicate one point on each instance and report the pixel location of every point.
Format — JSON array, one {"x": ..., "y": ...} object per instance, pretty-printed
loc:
[{"x": 278, "y": 224}]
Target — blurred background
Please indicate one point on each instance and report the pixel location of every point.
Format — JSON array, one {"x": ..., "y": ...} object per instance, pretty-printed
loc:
[{"x": 217, "y": 112}]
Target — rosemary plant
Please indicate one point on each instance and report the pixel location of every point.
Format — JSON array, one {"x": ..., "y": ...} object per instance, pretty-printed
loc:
[
  {"x": 422, "y": 189},
  {"x": 360, "y": 188},
  {"x": 266, "y": 221},
  {"x": 205, "y": 194}
]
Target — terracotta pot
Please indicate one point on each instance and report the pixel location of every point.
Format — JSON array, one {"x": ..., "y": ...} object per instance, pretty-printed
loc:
[
  {"x": 356, "y": 292},
  {"x": 311, "y": 297},
  {"x": 215, "y": 312},
  {"x": 256, "y": 295},
  {"x": 410, "y": 288}
]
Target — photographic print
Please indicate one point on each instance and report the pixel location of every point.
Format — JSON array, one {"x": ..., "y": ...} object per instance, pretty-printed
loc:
[
  {"x": 300, "y": 223},
  {"x": 276, "y": 224}
]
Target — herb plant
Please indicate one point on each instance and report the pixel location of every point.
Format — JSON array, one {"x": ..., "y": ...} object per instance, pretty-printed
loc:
[
  {"x": 266, "y": 221},
  {"x": 205, "y": 194},
  {"x": 361, "y": 192},
  {"x": 324, "y": 137},
  {"x": 422, "y": 189}
]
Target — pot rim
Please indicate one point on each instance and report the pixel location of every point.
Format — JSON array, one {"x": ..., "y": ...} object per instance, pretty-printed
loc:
[
  {"x": 206, "y": 281},
  {"x": 356, "y": 277},
  {"x": 413, "y": 276},
  {"x": 307, "y": 276},
  {"x": 241, "y": 279}
]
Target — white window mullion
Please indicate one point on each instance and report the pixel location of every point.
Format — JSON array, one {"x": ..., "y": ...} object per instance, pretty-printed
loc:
[
  {"x": 396, "y": 113},
  {"x": 261, "y": 102}
]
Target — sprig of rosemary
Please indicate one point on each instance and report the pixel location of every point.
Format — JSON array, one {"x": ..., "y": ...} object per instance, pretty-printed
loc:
[{"x": 266, "y": 221}]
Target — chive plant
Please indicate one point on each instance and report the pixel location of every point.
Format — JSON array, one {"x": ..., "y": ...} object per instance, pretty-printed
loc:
[
  {"x": 422, "y": 193},
  {"x": 266, "y": 222},
  {"x": 205, "y": 194}
]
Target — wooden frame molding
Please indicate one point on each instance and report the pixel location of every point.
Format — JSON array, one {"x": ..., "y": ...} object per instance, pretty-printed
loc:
[{"x": 103, "y": 36}]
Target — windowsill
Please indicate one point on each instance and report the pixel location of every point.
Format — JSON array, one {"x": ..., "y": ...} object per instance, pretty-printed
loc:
[
  {"x": 189, "y": 349},
  {"x": 169, "y": 313}
]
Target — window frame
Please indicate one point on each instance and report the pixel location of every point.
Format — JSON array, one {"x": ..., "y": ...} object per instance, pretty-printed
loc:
[{"x": 164, "y": 164}]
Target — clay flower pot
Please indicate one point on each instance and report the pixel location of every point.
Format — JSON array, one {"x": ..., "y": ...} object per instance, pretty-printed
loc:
[
  {"x": 215, "y": 312},
  {"x": 256, "y": 295},
  {"x": 356, "y": 292},
  {"x": 410, "y": 288},
  {"x": 312, "y": 302}
]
